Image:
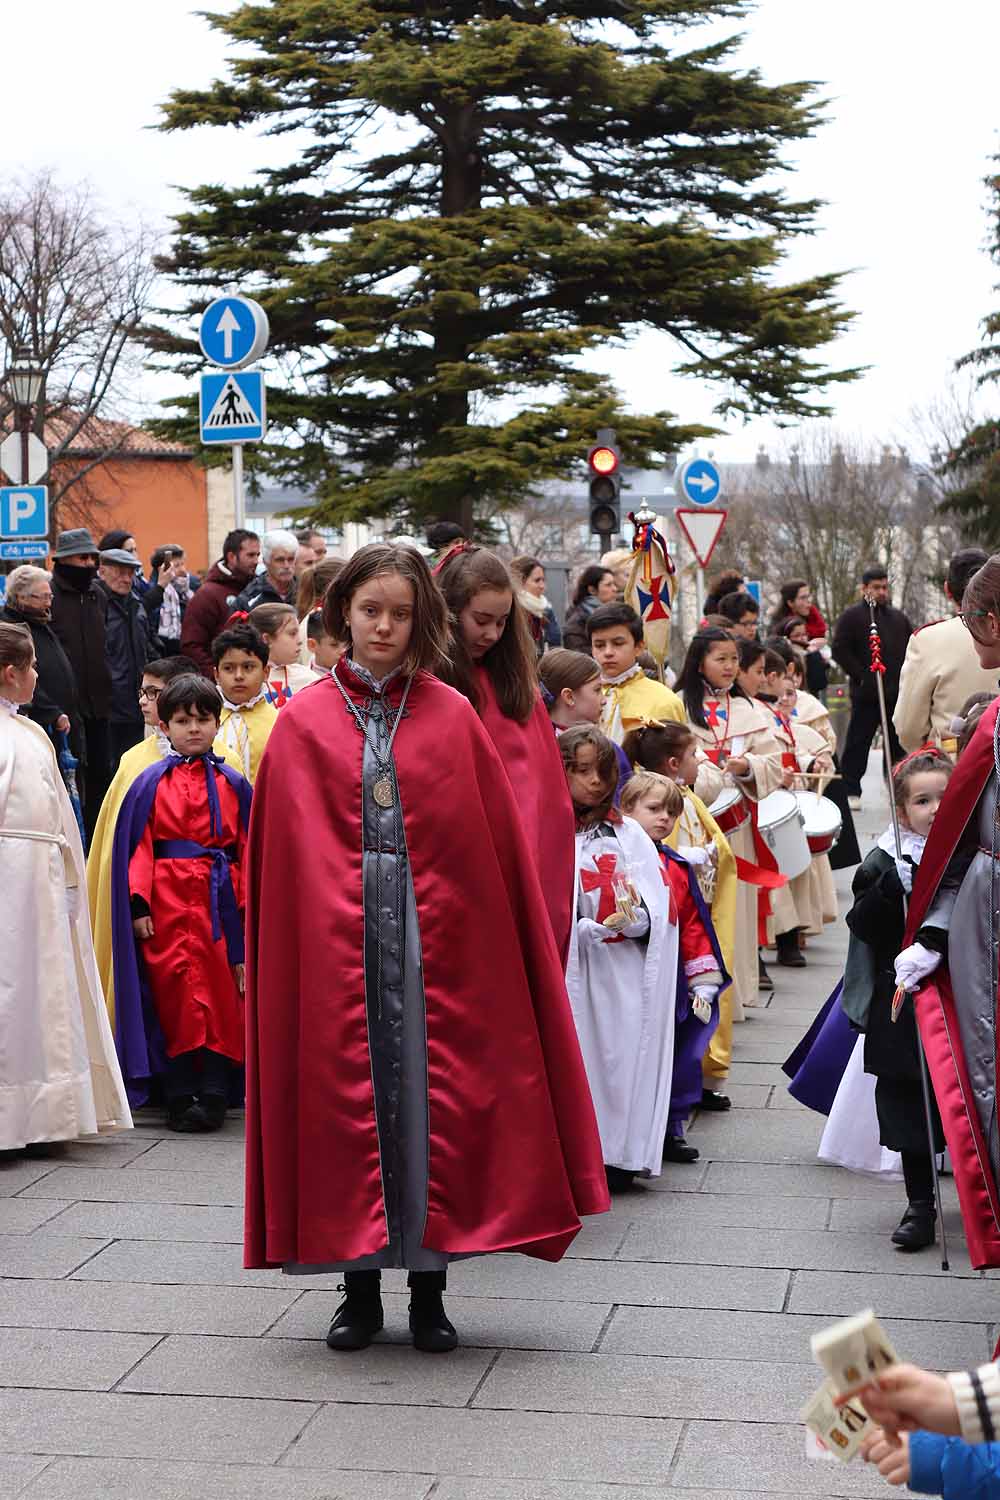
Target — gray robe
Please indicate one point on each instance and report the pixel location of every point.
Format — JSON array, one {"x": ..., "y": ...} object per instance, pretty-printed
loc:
[
  {"x": 394, "y": 998},
  {"x": 961, "y": 907}
]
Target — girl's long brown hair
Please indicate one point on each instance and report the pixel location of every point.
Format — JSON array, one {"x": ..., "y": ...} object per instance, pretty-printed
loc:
[
  {"x": 571, "y": 742},
  {"x": 313, "y": 584},
  {"x": 510, "y": 664},
  {"x": 429, "y": 635}
]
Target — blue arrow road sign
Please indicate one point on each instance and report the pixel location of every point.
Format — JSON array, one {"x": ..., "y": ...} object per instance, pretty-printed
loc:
[
  {"x": 233, "y": 332},
  {"x": 233, "y": 407},
  {"x": 22, "y": 551},
  {"x": 24, "y": 511},
  {"x": 700, "y": 481}
]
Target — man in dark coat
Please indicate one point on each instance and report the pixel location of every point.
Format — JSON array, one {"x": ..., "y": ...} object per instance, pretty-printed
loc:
[
  {"x": 54, "y": 705},
  {"x": 126, "y": 647},
  {"x": 276, "y": 585},
  {"x": 78, "y": 622},
  {"x": 210, "y": 608},
  {"x": 851, "y": 650}
]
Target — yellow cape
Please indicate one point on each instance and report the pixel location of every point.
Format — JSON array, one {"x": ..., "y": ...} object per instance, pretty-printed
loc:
[
  {"x": 247, "y": 736},
  {"x": 132, "y": 763},
  {"x": 720, "y": 1048}
]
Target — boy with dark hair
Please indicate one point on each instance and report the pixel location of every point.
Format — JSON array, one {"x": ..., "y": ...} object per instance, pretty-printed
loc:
[
  {"x": 324, "y": 649},
  {"x": 154, "y": 748},
  {"x": 630, "y": 698},
  {"x": 177, "y": 916},
  {"x": 240, "y": 655}
]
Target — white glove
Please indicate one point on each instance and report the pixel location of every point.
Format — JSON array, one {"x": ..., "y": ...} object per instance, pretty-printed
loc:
[
  {"x": 695, "y": 855},
  {"x": 590, "y": 933},
  {"x": 702, "y": 998},
  {"x": 913, "y": 966},
  {"x": 904, "y": 869}
]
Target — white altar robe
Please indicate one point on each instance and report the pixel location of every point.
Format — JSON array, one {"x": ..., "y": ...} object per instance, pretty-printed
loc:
[{"x": 59, "y": 1075}]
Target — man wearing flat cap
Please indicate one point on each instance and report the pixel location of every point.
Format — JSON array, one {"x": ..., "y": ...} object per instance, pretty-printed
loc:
[
  {"x": 78, "y": 611},
  {"x": 126, "y": 646}
]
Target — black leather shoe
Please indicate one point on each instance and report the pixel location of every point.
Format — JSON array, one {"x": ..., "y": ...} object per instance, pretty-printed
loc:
[
  {"x": 916, "y": 1228},
  {"x": 712, "y": 1101},
  {"x": 359, "y": 1317},
  {"x": 676, "y": 1148},
  {"x": 186, "y": 1116},
  {"x": 619, "y": 1181},
  {"x": 214, "y": 1108},
  {"x": 433, "y": 1332}
]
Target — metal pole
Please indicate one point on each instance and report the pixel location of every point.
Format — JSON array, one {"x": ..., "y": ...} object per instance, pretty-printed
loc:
[
  {"x": 924, "y": 1080},
  {"x": 239, "y": 511},
  {"x": 699, "y": 592},
  {"x": 24, "y": 422}
]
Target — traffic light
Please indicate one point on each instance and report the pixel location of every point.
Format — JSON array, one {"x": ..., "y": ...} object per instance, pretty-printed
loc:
[{"x": 604, "y": 462}]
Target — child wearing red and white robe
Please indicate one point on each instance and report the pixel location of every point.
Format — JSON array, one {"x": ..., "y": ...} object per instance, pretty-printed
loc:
[
  {"x": 622, "y": 946},
  {"x": 810, "y": 899},
  {"x": 737, "y": 737},
  {"x": 656, "y": 802}
]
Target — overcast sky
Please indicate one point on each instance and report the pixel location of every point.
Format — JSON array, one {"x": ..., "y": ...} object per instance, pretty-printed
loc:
[{"x": 914, "y": 116}]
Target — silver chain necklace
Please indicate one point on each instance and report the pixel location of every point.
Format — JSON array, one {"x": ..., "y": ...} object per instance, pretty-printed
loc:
[{"x": 382, "y": 789}]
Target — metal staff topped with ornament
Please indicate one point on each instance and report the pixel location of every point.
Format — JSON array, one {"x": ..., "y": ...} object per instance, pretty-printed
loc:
[
  {"x": 877, "y": 668},
  {"x": 652, "y": 582}
]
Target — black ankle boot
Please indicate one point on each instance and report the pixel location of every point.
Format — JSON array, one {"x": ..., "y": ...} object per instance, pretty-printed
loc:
[
  {"x": 359, "y": 1317},
  {"x": 916, "y": 1228},
  {"x": 432, "y": 1332},
  {"x": 789, "y": 953}
]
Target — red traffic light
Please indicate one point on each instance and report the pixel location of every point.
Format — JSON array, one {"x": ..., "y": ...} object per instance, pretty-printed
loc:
[{"x": 602, "y": 460}]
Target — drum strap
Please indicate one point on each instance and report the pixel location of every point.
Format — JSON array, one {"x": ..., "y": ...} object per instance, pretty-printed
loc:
[{"x": 765, "y": 874}]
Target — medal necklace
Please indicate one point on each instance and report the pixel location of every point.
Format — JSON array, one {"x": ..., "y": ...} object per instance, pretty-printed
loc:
[{"x": 382, "y": 788}]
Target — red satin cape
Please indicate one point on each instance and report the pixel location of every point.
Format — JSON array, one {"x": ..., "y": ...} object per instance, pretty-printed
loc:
[
  {"x": 936, "y": 1007},
  {"x": 514, "y": 1153},
  {"x": 530, "y": 755}
]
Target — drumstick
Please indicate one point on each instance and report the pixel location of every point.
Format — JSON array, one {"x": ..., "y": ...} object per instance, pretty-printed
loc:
[{"x": 817, "y": 776}]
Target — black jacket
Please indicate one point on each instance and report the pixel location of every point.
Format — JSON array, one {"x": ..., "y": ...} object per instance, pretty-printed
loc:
[
  {"x": 55, "y": 693},
  {"x": 851, "y": 636},
  {"x": 126, "y": 650},
  {"x": 78, "y": 624},
  {"x": 260, "y": 590}
]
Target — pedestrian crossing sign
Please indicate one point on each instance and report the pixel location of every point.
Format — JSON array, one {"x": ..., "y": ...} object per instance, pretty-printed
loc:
[{"x": 233, "y": 407}]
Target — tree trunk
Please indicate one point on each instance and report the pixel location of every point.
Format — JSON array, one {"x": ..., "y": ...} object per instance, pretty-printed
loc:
[{"x": 461, "y": 193}]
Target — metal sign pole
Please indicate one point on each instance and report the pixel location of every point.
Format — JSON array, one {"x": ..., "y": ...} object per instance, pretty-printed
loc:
[
  {"x": 239, "y": 511},
  {"x": 699, "y": 592}
]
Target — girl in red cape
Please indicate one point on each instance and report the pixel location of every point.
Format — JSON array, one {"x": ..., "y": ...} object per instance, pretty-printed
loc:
[
  {"x": 951, "y": 955},
  {"x": 415, "y": 1091},
  {"x": 493, "y": 662}
]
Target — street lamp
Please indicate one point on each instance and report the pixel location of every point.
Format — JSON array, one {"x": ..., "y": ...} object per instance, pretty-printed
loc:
[{"x": 24, "y": 380}]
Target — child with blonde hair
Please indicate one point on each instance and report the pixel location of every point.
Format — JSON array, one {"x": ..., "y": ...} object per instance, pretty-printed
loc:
[{"x": 656, "y": 802}]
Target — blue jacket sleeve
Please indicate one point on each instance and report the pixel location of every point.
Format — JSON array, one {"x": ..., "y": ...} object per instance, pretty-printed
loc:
[{"x": 953, "y": 1468}]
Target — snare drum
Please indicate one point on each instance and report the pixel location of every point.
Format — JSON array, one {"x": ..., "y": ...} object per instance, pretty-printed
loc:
[
  {"x": 822, "y": 821},
  {"x": 730, "y": 809},
  {"x": 781, "y": 826}
]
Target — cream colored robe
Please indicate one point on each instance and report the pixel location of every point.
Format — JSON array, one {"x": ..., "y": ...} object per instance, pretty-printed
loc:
[
  {"x": 748, "y": 733},
  {"x": 59, "y": 1076}
]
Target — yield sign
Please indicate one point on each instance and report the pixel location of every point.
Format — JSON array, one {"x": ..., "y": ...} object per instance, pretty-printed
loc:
[{"x": 702, "y": 529}]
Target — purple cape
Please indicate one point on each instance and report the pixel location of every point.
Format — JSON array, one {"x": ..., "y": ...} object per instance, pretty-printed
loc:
[
  {"x": 691, "y": 1036},
  {"x": 817, "y": 1064},
  {"x": 139, "y": 1041}
]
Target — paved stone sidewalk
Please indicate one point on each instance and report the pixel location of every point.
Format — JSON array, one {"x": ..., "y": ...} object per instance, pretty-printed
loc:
[{"x": 668, "y": 1356}]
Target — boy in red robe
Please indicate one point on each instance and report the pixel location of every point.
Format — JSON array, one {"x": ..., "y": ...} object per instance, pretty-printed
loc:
[{"x": 177, "y": 923}]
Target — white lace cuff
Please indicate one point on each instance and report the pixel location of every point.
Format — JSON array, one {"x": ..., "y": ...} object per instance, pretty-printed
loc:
[{"x": 705, "y": 964}]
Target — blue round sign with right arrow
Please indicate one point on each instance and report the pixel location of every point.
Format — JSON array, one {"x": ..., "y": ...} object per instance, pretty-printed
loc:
[{"x": 699, "y": 481}]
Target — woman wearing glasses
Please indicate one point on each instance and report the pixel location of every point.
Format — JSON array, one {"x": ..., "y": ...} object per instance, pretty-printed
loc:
[{"x": 950, "y": 957}]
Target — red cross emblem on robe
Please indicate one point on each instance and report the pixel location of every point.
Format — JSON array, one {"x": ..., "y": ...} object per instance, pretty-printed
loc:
[
  {"x": 654, "y": 604},
  {"x": 602, "y": 879},
  {"x": 715, "y": 716}
]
